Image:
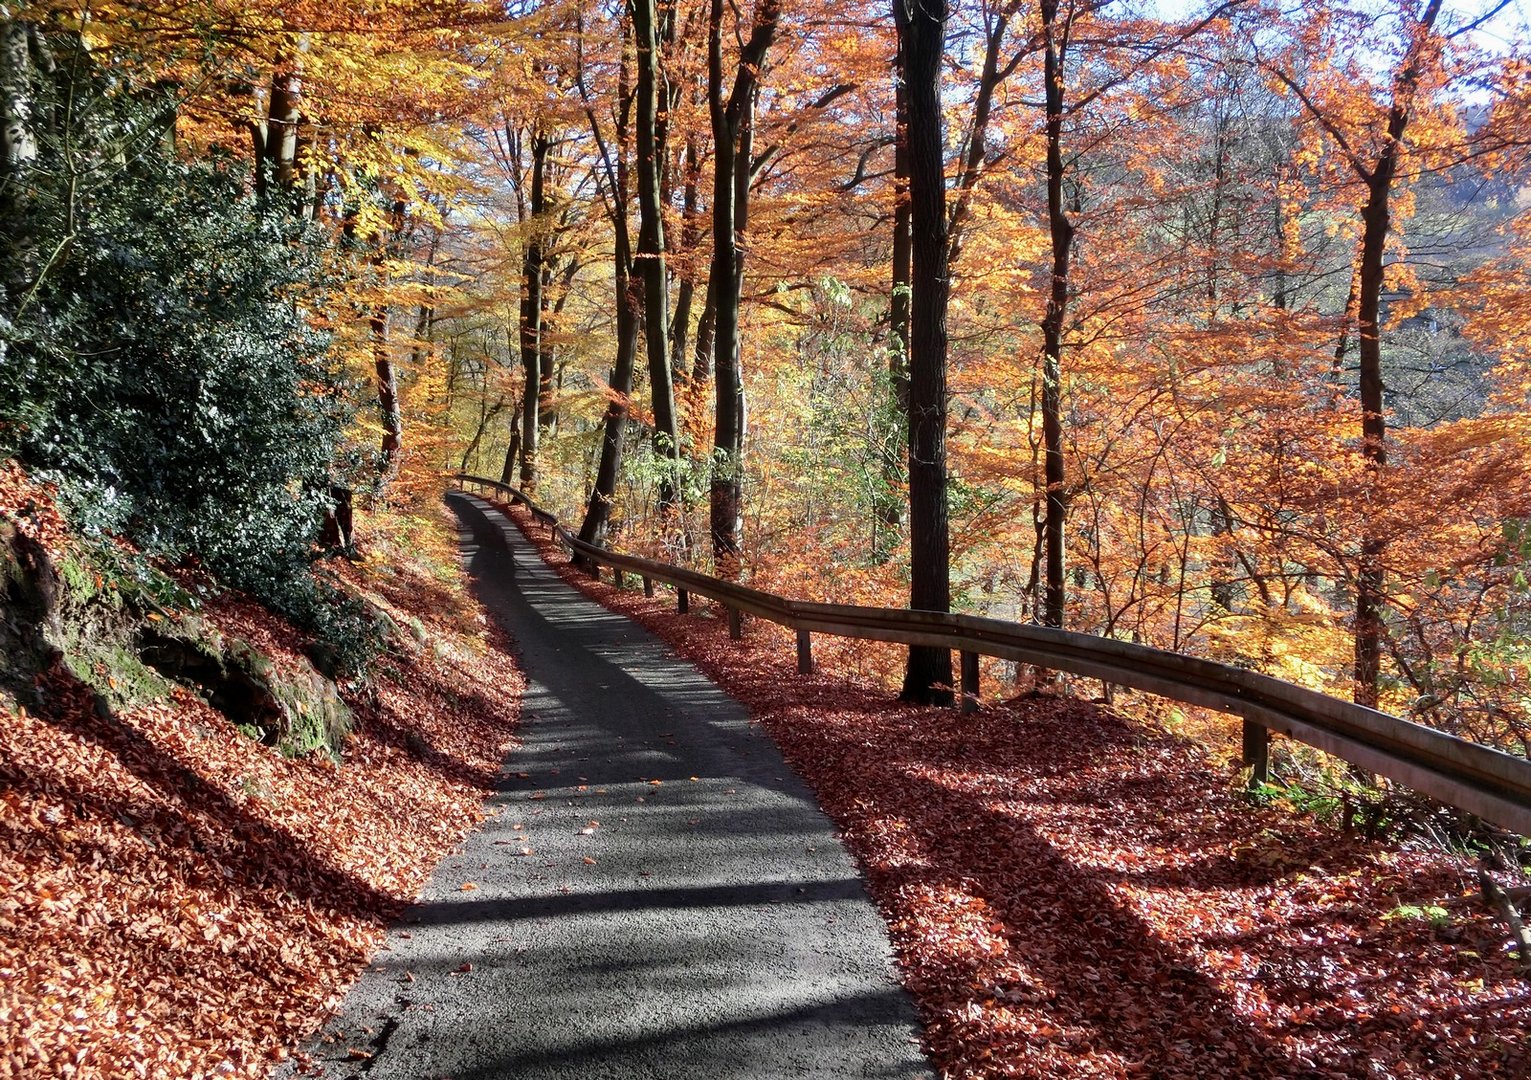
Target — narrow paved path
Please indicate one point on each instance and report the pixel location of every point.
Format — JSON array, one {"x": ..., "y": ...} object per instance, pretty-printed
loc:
[{"x": 659, "y": 896}]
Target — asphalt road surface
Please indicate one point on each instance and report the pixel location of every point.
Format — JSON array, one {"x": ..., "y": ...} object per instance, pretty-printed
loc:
[{"x": 658, "y": 897}]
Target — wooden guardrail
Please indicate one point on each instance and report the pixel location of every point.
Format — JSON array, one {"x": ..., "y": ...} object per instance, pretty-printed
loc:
[{"x": 1492, "y": 784}]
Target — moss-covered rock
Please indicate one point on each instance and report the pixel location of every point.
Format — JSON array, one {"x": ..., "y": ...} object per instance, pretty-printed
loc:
[
  {"x": 29, "y": 590},
  {"x": 297, "y": 712},
  {"x": 122, "y": 628}
]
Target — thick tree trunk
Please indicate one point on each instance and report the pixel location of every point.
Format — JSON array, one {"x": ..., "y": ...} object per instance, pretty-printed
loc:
[
  {"x": 651, "y": 247},
  {"x": 922, "y": 31},
  {"x": 18, "y": 138},
  {"x": 24, "y": 58},
  {"x": 1061, "y": 234},
  {"x": 284, "y": 112}
]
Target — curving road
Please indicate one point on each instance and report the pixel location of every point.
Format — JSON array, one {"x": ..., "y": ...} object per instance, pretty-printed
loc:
[{"x": 658, "y": 897}]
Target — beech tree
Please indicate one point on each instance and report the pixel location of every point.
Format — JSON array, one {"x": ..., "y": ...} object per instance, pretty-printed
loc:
[
  {"x": 650, "y": 255},
  {"x": 733, "y": 129},
  {"x": 612, "y": 168},
  {"x": 922, "y": 39}
]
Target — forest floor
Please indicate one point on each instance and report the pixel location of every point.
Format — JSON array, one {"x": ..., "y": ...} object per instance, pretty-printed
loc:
[
  {"x": 179, "y": 900},
  {"x": 1072, "y": 892}
]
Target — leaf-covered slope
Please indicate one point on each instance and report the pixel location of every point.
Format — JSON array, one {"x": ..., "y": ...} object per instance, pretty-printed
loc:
[{"x": 179, "y": 900}]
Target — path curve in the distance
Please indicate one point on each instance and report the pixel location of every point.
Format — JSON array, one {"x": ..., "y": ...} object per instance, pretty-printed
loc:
[{"x": 684, "y": 911}]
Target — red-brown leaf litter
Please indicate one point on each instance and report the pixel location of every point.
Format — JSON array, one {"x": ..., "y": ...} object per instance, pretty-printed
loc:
[
  {"x": 1072, "y": 893},
  {"x": 179, "y": 900}
]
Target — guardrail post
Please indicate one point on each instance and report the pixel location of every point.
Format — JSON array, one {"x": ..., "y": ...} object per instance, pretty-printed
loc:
[
  {"x": 682, "y": 601},
  {"x": 1257, "y": 743},
  {"x": 969, "y": 682},
  {"x": 804, "y": 653},
  {"x": 616, "y": 576},
  {"x": 735, "y": 624},
  {"x": 648, "y": 585}
]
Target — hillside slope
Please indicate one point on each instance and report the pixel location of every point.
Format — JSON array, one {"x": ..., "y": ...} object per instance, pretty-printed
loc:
[{"x": 179, "y": 899}]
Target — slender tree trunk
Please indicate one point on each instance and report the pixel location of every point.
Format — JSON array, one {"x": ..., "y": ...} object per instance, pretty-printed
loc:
[
  {"x": 1061, "y": 234},
  {"x": 389, "y": 409},
  {"x": 898, "y": 315},
  {"x": 629, "y": 302},
  {"x": 512, "y": 451},
  {"x": 530, "y": 428},
  {"x": 651, "y": 244},
  {"x": 690, "y": 236},
  {"x": 922, "y": 31},
  {"x": 597, "y": 521},
  {"x": 1371, "y": 577},
  {"x": 889, "y": 505},
  {"x": 706, "y": 325},
  {"x": 733, "y": 125},
  {"x": 536, "y": 406},
  {"x": 387, "y": 394}
]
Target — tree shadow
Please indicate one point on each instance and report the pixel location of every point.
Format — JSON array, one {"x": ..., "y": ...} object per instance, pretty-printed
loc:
[{"x": 254, "y": 855}]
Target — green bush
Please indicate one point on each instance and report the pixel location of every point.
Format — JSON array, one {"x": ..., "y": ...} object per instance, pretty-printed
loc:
[{"x": 158, "y": 358}]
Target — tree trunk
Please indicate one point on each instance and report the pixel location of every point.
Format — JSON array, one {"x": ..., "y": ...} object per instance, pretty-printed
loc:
[
  {"x": 706, "y": 324},
  {"x": 733, "y": 124},
  {"x": 898, "y": 314},
  {"x": 536, "y": 405},
  {"x": 24, "y": 57},
  {"x": 18, "y": 139},
  {"x": 1375, "y": 222},
  {"x": 387, "y": 395},
  {"x": 629, "y": 301},
  {"x": 389, "y": 410},
  {"x": 597, "y": 522},
  {"x": 922, "y": 32},
  {"x": 1061, "y": 234},
  {"x": 512, "y": 451},
  {"x": 889, "y": 505},
  {"x": 284, "y": 111},
  {"x": 651, "y": 256},
  {"x": 690, "y": 236}
]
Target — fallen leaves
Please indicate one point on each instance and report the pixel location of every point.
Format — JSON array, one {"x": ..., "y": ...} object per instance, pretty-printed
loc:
[{"x": 181, "y": 901}]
